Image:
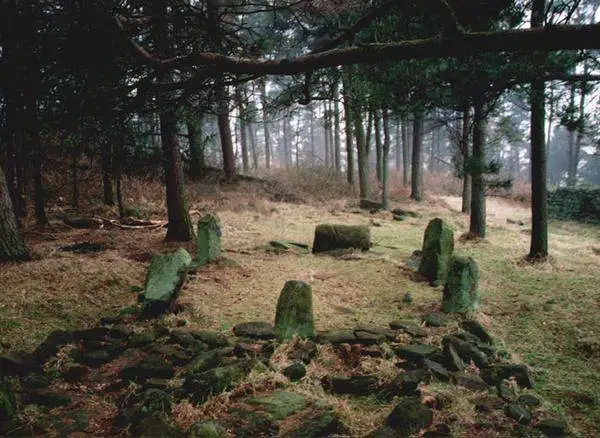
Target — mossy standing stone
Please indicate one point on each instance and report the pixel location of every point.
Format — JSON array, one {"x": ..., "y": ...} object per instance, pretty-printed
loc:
[
  {"x": 461, "y": 291},
  {"x": 438, "y": 244},
  {"x": 165, "y": 277},
  {"x": 332, "y": 237},
  {"x": 209, "y": 239},
  {"x": 294, "y": 315}
]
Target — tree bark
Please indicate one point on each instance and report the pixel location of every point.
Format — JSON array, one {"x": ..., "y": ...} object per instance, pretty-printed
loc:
[
  {"x": 348, "y": 129},
  {"x": 243, "y": 132},
  {"x": 12, "y": 245},
  {"x": 196, "y": 143},
  {"x": 74, "y": 178},
  {"x": 362, "y": 151},
  {"x": 326, "y": 134},
  {"x": 466, "y": 157},
  {"x": 405, "y": 153},
  {"x": 417, "y": 157},
  {"x": 378, "y": 147},
  {"x": 179, "y": 227},
  {"x": 385, "y": 159},
  {"x": 109, "y": 197},
  {"x": 252, "y": 137},
  {"x": 336, "y": 129},
  {"x": 265, "y": 119},
  {"x": 311, "y": 120},
  {"x": 478, "y": 213},
  {"x": 539, "y": 157}
]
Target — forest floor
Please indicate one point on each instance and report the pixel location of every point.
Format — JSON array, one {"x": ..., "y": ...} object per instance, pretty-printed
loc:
[{"x": 546, "y": 314}]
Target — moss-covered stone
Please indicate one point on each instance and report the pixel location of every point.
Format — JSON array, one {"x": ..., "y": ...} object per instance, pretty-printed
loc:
[
  {"x": 461, "y": 291},
  {"x": 280, "y": 404},
  {"x": 409, "y": 416},
  {"x": 165, "y": 277},
  {"x": 294, "y": 315},
  {"x": 214, "y": 381},
  {"x": 255, "y": 330},
  {"x": 438, "y": 245},
  {"x": 295, "y": 371},
  {"x": 335, "y": 237},
  {"x": 207, "y": 430},
  {"x": 209, "y": 239}
]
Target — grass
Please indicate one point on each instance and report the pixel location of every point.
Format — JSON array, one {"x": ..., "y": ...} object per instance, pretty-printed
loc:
[{"x": 542, "y": 312}]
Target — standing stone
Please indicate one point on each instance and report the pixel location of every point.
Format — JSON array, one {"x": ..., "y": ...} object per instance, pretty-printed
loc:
[
  {"x": 295, "y": 311},
  {"x": 332, "y": 237},
  {"x": 165, "y": 277},
  {"x": 209, "y": 239},
  {"x": 461, "y": 293},
  {"x": 438, "y": 244}
]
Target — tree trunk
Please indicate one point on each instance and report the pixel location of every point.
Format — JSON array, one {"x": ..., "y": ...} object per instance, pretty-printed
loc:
[
  {"x": 326, "y": 134},
  {"x": 243, "y": 132},
  {"x": 348, "y": 128},
  {"x": 74, "y": 178},
  {"x": 265, "y": 118},
  {"x": 378, "y": 151},
  {"x": 179, "y": 227},
  {"x": 336, "y": 129},
  {"x": 539, "y": 194},
  {"x": 477, "y": 223},
  {"x": 384, "y": 160},
  {"x": 571, "y": 170},
  {"x": 398, "y": 147},
  {"x": 417, "y": 158},
  {"x": 38, "y": 186},
  {"x": 253, "y": 150},
  {"x": 196, "y": 142},
  {"x": 363, "y": 154},
  {"x": 109, "y": 197},
  {"x": 119, "y": 171},
  {"x": 12, "y": 245},
  {"x": 311, "y": 115},
  {"x": 466, "y": 157},
  {"x": 405, "y": 153}
]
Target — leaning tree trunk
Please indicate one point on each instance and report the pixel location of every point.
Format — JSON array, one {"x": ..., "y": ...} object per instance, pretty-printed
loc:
[
  {"x": 477, "y": 222},
  {"x": 417, "y": 158},
  {"x": 385, "y": 202},
  {"x": 539, "y": 158},
  {"x": 12, "y": 245},
  {"x": 180, "y": 226}
]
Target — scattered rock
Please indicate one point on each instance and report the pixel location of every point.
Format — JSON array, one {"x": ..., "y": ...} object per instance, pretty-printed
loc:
[
  {"x": 143, "y": 338},
  {"x": 519, "y": 414},
  {"x": 280, "y": 404},
  {"x": 165, "y": 277},
  {"x": 208, "y": 246},
  {"x": 461, "y": 293},
  {"x": 439, "y": 431},
  {"x": 16, "y": 364},
  {"x": 452, "y": 360},
  {"x": 470, "y": 381},
  {"x": 255, "y": 330},
  {"x": 150, "y": 366},
  {"x": 155, "y": 425},
  {"x": 209, "y": 359},
  {"x": 207, "y": 430},
  {"x": 403, "y": 212},
  {"x": 438, "y": 245},
  {"x": 494, "y": 374},
  {"x": 46, "y": 397},
  {"x": 552, "y": 427},
  {"x": 295, "y": 371},
  {"x": 505, "y": 391},
  {"x": 287, "y": 245},
  {"x": 337, "y": 337},
  {"x": 334, "y": 237},
  {"x": 212, "y": 339},
  {"x": 294, "y": 315},
  {"x": 367, "y": 204},
  {"x": 409, "y": 416},
  {"x": 52, "y": 343},
  {"x": 529, "y": 400},
  {"x": 369, "y": 338},
  {"x": 248, "y": 350},
  {"x": 8, "y": 402},
  {"x": 83, "y": 248},
  {"x": 515, "y": 222},
  {"x": 74, "y": 373},
  {"x": 437, "y": 369},
  {"x": 407, "y": 298},
  {"x": 216, "y": 380},
  {"x": 97, "y": 358},
  {"x": 35, "y": 381},
  {"x": 304, "y": 352}
]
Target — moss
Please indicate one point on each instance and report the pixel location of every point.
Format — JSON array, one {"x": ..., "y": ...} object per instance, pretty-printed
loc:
[
  {"x": 8, "y": 404},
  {"x": 281, "y": 404},
  {"x": 209, "y": 239},
  {"x": 438, "y": 245},
  {"x": 330, "y": 237},
  {"x": 294, "y": 314},
  {"x": 165, "y": 276},
  {"x": 461, "y": 292}
]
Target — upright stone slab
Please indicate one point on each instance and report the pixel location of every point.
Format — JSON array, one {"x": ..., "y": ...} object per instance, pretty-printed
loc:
[
  {"x": 165, "y": 277},
  {"x": 438, "y": 244},
  {"x": 295, "y": 311},
  {"x": 461, "y": 293},
  {"x": 332, "y": 237},
  {"x": 209, "y": 239}
]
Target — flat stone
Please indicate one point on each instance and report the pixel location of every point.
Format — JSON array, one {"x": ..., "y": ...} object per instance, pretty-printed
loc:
[
  {"x": 305, "y": 351},
  {"x": 371, "y": 351},
  {"x": 529, "y": 400},
  {"x": 212, "y": 339},
  {"x": 368, "y": 338},
  {"x": 410, "y": 327},
  {"x": 476, "y": 328},
  {"x": 46, "y": 397},
  {"x": 150, "y": 366},
  {"x": 208, "y": 359},
  {"x": 255, "y": 330},
  {"x": 415, "y": 353},
  {"x": 470, "y": 381},
  {"x": 74, "y": 373},
  {"x": 354, "y": 385},
  {"x": 437, "y": 369},
  {"x": 207, "y": 430},
  {"x": 50, "y": 346},
  {"x": 494, "y": 374},
  {"x": 409, "y": 416},
  {"x": 505, "y": 391},
  {"x": 34, "y": 381},
  {"x": 519, "y": 414},
  {"x": 382, "y": 331},
  {"x": 452, "y": 360},
  {"x": 405, "y": 385},
  {"x": 143, "y": 338},
  {"x": 280, "y": 404},
  {"x": 337, "y": 337},
  {"x": 97, "y": 358},
  {"x": 439, "y": 431},
  {"x": 552, "y": 427},
  {"x": 175, "y": 353},
  {"x": 216, "y": 380},
  {"x": 248, "y": 350},
  {"x": 295, "y": 371},
  {"x": 17, "y": 364}
]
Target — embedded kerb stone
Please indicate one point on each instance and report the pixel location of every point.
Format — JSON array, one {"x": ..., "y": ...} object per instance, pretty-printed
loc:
[
  {"x": 209, "y": 239},
  {"x": 461, "y": 291},
  {"x": 438, "y": 244},
  {"x": 335, "y": 237},
  {"x": 294, "y": 315}
]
